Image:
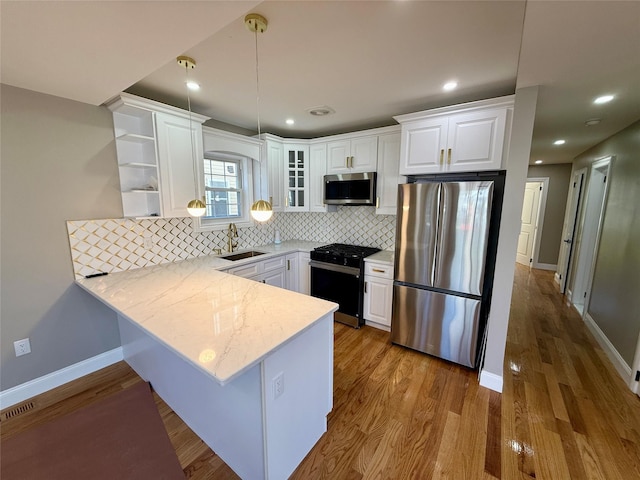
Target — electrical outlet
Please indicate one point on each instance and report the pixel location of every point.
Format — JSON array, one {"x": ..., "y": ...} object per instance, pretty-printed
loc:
[
  {"x": 148, "y": 242},
  {"x": 22, "y": 347},
  {"x": 278, "y": 385}
]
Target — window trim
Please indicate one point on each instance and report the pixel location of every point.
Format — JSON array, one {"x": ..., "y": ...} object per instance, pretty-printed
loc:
[{"x": 202, "y": 224}]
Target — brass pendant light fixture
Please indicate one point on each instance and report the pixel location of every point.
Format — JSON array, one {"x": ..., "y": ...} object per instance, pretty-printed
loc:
[
  {"x": 195, "y": 207},
  {"x": 261, "y": 210}
]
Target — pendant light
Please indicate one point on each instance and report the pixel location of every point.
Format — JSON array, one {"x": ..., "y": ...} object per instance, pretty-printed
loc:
[
  {"x": 261, "y": 210},
  {"x": 195, "y": 207}
]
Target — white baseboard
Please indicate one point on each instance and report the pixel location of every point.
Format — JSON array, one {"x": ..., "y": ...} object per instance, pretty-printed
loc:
[
  {"x": 545, "y": 266},
  {"x": 557, "y": 279},
  {"x": 618, "y": 362},
  {"x": 491, "y": 381},
  {"x": 34, "y": 387}
]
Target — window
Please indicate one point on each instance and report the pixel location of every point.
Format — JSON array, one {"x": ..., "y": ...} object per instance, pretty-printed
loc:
[
  {"x": 223, "y": 188},
  {"x": 227, "y": 193}
]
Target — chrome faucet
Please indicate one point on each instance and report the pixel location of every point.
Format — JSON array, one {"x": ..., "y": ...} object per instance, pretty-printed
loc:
[{"x": 232, "y": 233}]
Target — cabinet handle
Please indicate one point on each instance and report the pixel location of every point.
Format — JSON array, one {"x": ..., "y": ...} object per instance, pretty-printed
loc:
[
  {"x": 271, "y": 201},
  {"x": 286, "y": 201},
  {"x": 365, "y": 287},
  {"x": 346, "y": 162},
  {"x": 449, "y": 157},
  {"x": 378, "y": 270},
  {"x": 377, "y": 202},
  {"x": 351, "y": 162},
  {"x": 264, "y": 281},
  {"x": 288, "y": 264},
  {"x": 442, "y": 156}
]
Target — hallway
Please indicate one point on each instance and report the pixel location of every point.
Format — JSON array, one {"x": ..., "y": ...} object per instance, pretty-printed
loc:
[{"x": 566, "y": 413}]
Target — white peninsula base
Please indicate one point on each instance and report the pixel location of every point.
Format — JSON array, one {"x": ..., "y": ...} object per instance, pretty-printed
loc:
[{"x": 260, "y": 432}]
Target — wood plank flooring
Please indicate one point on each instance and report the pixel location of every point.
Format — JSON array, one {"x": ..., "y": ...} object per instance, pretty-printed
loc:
[{"x": 398, "y": 414}]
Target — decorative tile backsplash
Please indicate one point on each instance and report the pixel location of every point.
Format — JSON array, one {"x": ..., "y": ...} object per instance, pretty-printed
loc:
[{"x": 114, "y": 245}]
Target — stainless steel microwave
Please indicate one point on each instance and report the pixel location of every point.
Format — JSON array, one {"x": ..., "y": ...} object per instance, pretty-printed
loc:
[{"x": 350, "y": 189}]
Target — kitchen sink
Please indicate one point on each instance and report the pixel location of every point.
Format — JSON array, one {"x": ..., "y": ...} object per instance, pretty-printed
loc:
[{"x": 242, "y": 255}]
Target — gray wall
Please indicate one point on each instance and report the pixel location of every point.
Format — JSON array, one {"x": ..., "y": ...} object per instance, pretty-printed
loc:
[
  {"x": 615, "y": 295},
  {"x": 552, "y": 223},
  {"x": 58, "y": 163}
]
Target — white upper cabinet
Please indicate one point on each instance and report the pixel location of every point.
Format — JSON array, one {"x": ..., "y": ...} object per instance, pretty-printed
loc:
[
  {"x": 352, "y": 155},
  {"x": 155, "y": 160},
  {"x": 275, "y": 163},
  {"x": 178, "y": 177},
  {"x": 317, "y": 171},
  {"x": 388, "y": 177},
  {"x": 462, "y": 138},
  {"x": 296, "y": 170}
]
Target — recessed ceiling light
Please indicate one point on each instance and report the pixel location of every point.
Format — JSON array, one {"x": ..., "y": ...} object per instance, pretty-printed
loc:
[
  {"x": 193, "y": 86},
  {"x": 559, "y": 142},
  {"x": 592, "y": 122},
  {"x": 538, "y": 162},
  {"x": 447, "y": 87},
  {"x": 290, "y": 121},
  {"x": 320, "y": 111},
  {"x": 603, "y": 99}
]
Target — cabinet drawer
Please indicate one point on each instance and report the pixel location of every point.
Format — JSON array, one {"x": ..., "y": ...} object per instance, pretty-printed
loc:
[
  {"x": 273, "y": 264},
  {"x": 247, "y": 270},
  {"x": 378, "y": 270}
]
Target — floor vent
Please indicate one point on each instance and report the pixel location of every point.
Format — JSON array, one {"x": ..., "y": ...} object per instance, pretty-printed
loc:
[{"x": 19, "y": 410}]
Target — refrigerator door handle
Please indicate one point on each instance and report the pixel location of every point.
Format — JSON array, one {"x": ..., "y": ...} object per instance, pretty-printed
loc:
[{"x": 436, "y": 249}]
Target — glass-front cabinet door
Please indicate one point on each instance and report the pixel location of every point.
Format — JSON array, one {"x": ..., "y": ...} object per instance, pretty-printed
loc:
[{"x": 296, "y": 177}]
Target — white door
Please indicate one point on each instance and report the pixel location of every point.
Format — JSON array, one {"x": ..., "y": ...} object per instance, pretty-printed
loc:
[
  {"x": 529, "y": 225},
  {"x": 589, "y": 235},
  {"x": 569, "y": 229}
]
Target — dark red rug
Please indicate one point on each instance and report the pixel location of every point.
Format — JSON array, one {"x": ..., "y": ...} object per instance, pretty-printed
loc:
[{"x": 120, "y": 437}]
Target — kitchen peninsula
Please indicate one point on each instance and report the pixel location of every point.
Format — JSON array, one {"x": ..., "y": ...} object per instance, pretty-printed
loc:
[{"x": 248, "y": 366}]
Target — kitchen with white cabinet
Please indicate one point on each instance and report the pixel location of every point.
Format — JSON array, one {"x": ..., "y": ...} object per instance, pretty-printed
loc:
[
  {"x": 80, "y": 199},
  {"x": 164, "y": 241}
]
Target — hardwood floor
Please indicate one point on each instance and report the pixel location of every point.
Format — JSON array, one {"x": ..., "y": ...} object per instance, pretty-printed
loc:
[{"x": 564, "y": 412}]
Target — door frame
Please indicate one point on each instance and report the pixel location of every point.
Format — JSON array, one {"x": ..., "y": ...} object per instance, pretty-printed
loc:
[
  {"x": 572, "y": 221},
  {"x": 603, "y": 162},
  {"x": 589, "y": 273},
  {"x": 542, "y": 206}
]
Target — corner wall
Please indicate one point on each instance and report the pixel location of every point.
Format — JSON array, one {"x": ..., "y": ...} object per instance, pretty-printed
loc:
[
  {"x": 58, "y": 163},
  {"x": 517, "y": 164}
]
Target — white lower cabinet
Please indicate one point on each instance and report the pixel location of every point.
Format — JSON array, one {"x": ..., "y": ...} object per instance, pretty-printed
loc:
[
  {"x": 304, "y": 275},
  {"x": 270, "y": 271},
  {"x": 378, "y": 294},
  {"x": 276, "y": 279},
  {"x": 291, "y": 272}
]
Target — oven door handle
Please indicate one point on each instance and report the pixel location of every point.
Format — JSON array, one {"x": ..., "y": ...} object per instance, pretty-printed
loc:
[{"x": 335, "y": 268}]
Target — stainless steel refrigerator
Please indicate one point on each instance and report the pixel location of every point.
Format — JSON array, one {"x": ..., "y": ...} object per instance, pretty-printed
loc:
[{"x": 442, "y": 240}]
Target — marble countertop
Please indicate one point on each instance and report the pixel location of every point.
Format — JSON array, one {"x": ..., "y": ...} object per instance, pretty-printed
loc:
[
  {"x": 221, "y": 323},
  {"x": 383, "y": 256}
]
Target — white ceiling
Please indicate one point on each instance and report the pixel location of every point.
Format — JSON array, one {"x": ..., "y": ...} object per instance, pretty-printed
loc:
[{"x": 368, "y": 60}]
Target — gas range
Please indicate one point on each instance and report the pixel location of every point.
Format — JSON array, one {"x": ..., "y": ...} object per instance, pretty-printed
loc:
[
  {"x": 337, "y": 274},
  {"x": 342, "y": 254}
]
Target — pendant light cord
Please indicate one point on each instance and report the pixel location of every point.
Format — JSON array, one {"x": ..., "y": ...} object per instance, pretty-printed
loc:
[
  {"x": 258, "y": 110},
  {"x": 193, "y": 157}
]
